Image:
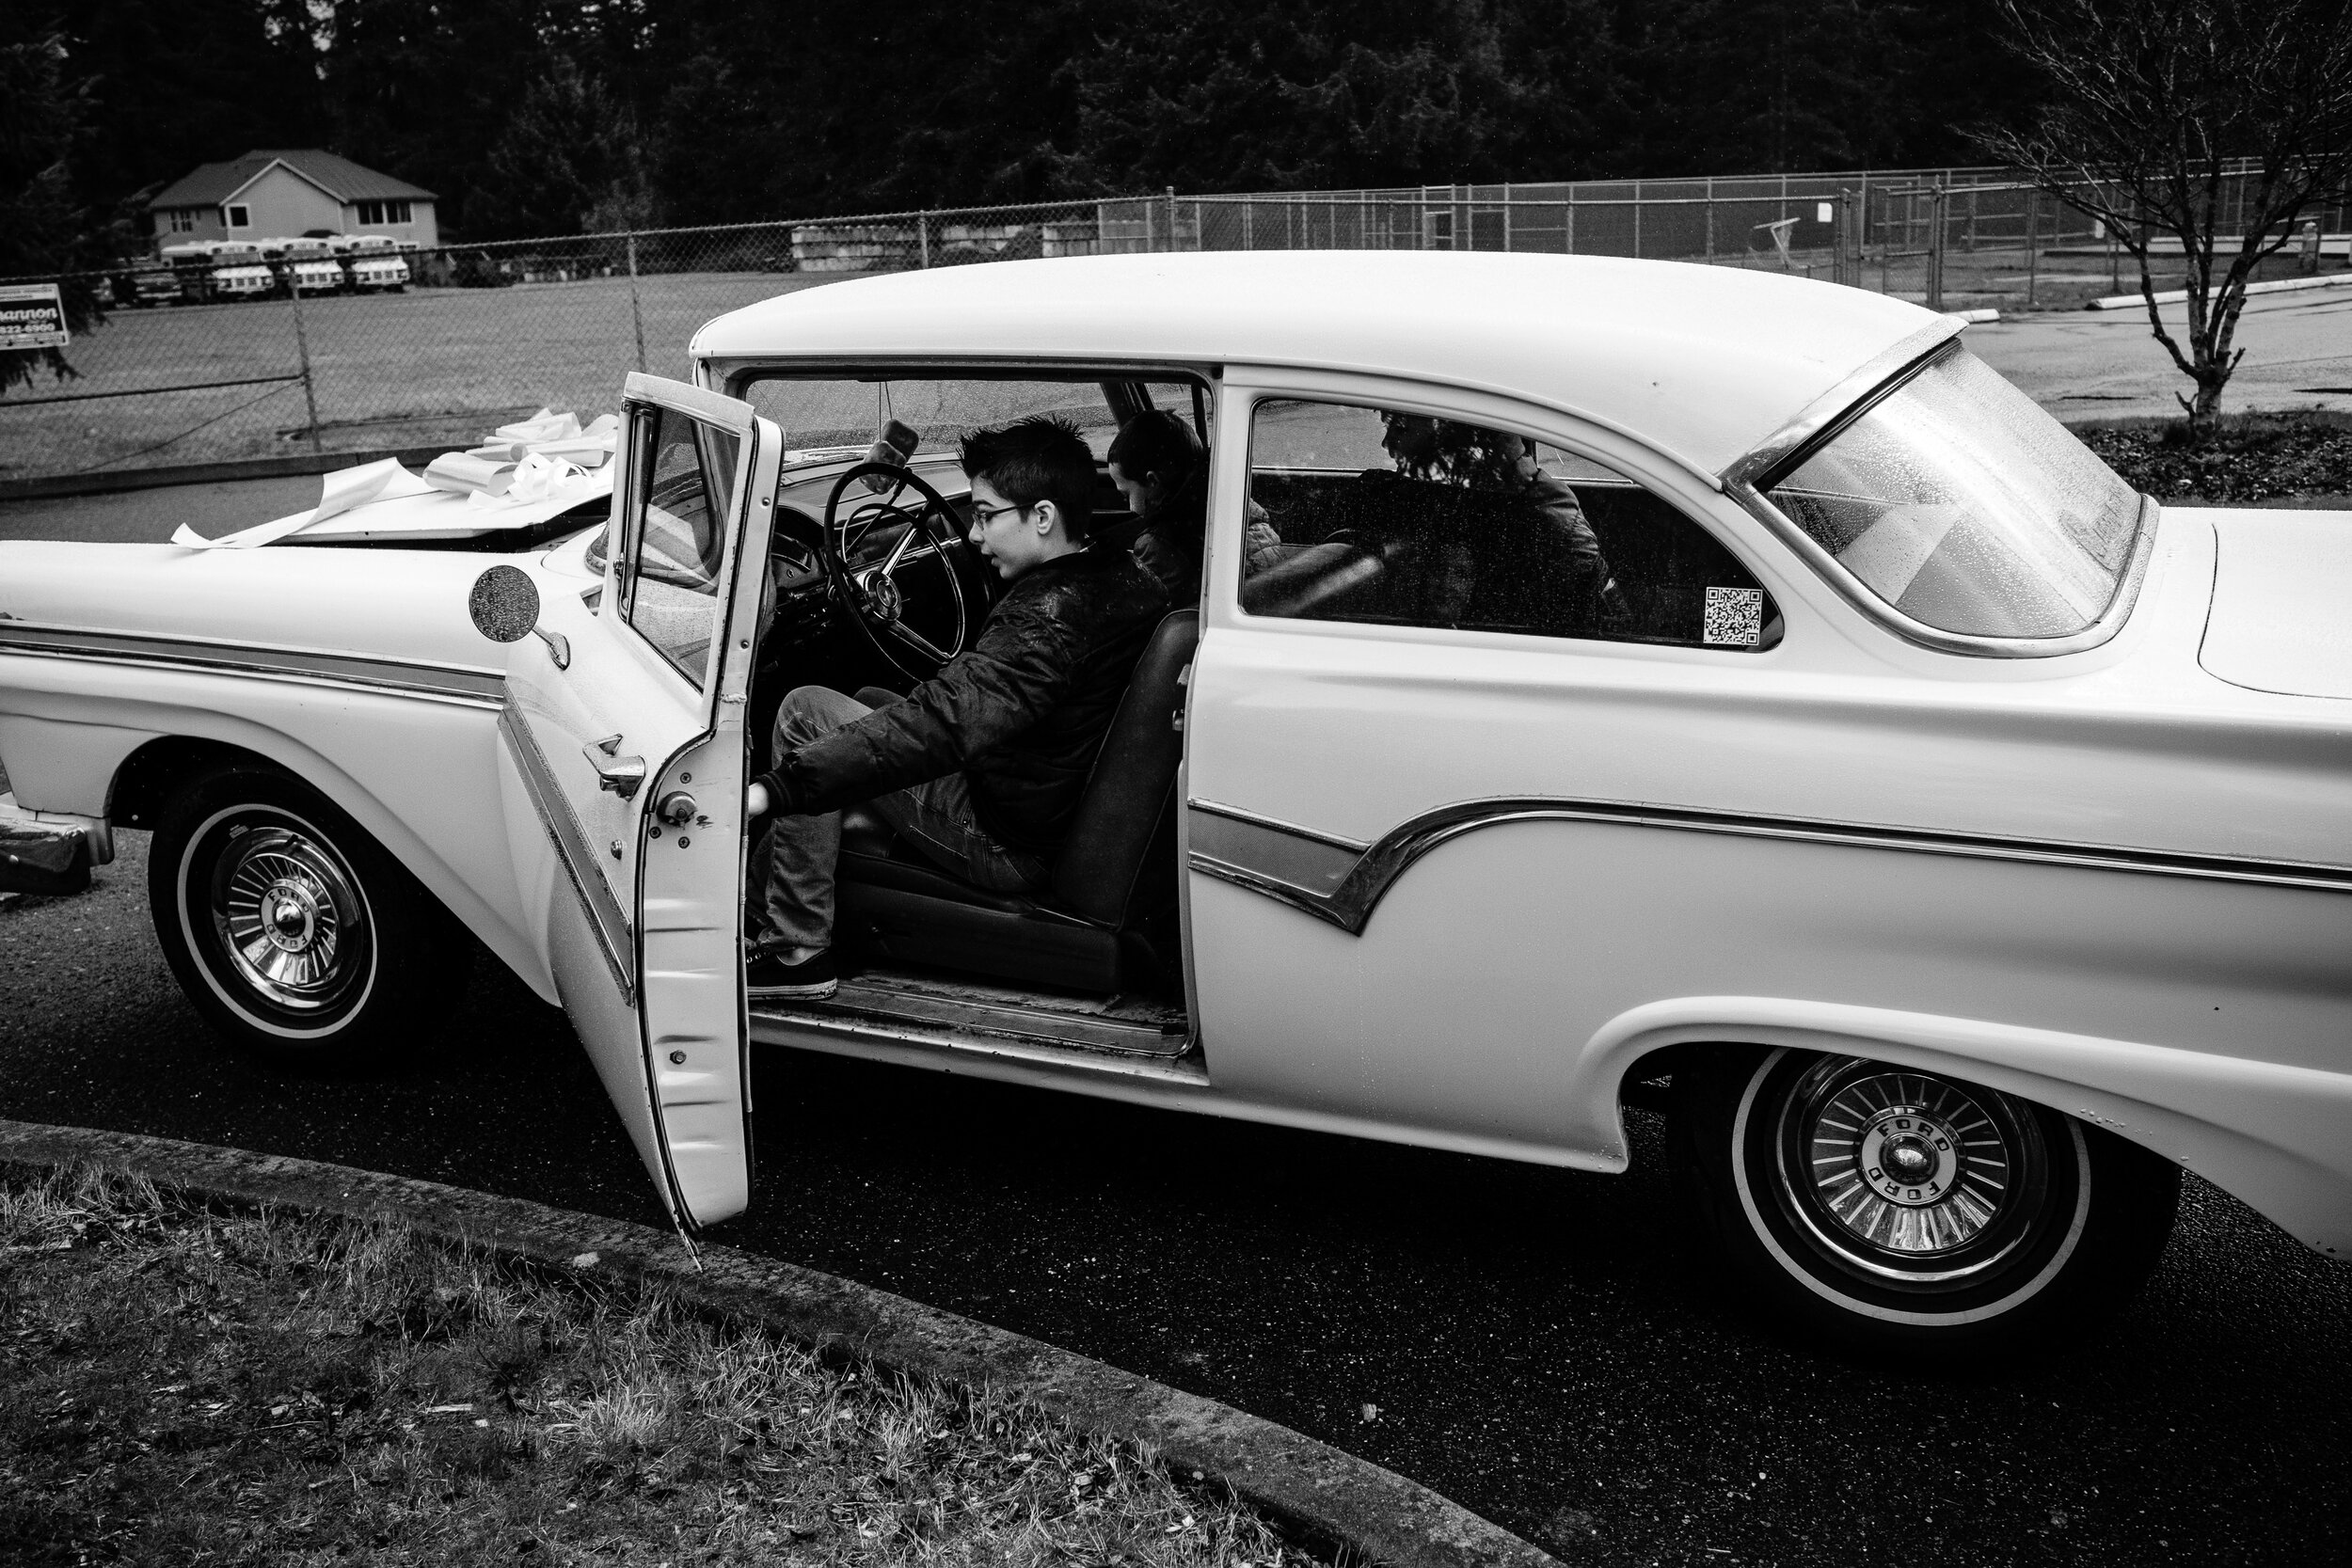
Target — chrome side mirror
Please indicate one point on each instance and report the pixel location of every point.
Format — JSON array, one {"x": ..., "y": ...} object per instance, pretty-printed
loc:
[{"x": 504, "y": 605}]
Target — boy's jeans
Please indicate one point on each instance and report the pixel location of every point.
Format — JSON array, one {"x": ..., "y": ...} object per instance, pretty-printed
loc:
[{"x": 936, "y": 817}]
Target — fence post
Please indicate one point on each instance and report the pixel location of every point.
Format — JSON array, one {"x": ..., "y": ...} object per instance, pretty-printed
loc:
[
  {"x": 923, "y": 239},
  {"x": 1935, "y": 246},
  {"x": 1171, "y": 217},
  {"x": 2033, "y": 243},
  {"x": 1637, "y": 220},
  {"x": 636, "y": 308},
  {"x": 1711, "y": 218},
  {"x": 302, "y": 350},
  {"x": 1567, "y": 206},
  {"x": 1842, "y": 238}
]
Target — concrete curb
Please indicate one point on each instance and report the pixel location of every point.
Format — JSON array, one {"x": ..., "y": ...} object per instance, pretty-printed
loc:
[{"x": 1308, "y": 1486}]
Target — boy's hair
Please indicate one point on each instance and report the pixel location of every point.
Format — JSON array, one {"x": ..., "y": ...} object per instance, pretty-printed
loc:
[
  {"x": 1158, "y": 442},
  {"x": 1038, "y": 459}
]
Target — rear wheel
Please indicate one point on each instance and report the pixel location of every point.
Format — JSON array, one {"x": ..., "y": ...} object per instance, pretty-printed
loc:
[
  {"x": 1874, "y": 1202},
  {"x": 293, "y": 931}
]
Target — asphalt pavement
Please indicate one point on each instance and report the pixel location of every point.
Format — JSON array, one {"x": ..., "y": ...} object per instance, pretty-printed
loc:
[
  {"x": 2105, "y": 364},
  {"x": 1538, "y": 1345},
  {"x": 151, "y": 517}
]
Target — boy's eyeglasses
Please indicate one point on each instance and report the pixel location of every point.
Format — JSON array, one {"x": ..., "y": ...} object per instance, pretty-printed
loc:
[{"x": 987, "y": 514}]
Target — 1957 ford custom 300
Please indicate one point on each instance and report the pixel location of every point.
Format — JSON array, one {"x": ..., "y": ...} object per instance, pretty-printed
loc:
[{"x": 1610, "y": 678}]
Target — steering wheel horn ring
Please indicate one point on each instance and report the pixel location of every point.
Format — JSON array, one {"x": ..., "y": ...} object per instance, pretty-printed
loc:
[{"x": 877, "y": 601}]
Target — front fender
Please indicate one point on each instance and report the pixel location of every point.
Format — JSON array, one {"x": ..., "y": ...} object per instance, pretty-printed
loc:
[
  {"x": 421, "y": 774},
  {"x": 2277, "y": 1137}
]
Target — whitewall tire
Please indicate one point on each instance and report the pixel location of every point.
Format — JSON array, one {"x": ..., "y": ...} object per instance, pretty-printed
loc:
[
  {"x": 292, "y": 931},
  {"x": 1866, "y": 1200}
]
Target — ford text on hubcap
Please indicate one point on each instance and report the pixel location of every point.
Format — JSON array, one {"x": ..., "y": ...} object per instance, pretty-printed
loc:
[{"x": 1904, "y": 1175}]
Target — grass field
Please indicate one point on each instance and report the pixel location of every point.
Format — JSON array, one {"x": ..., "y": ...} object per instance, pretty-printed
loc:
[
  {"x": 415, "y": 368},
  {"x": 191, "y": 1385}
]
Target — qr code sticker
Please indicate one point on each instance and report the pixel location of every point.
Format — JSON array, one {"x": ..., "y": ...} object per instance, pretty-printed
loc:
[{"x": 1735, "y": 617}]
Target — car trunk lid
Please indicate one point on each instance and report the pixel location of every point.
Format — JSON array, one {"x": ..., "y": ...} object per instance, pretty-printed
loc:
[{"x": 2281, "y": 616}]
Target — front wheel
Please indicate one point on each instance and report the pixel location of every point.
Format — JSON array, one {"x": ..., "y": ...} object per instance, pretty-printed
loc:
[
  {"x": 1867, "y": 1200},
  {"x": 293, "y": 932}
]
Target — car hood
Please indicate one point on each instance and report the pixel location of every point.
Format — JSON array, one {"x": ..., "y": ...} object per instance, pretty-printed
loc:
[
  {"x": 408, "y": 605},
  {"x": 2282, "y": 614}
]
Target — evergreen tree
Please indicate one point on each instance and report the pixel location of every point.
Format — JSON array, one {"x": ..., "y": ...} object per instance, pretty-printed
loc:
[{"x": 44, "y": 227}]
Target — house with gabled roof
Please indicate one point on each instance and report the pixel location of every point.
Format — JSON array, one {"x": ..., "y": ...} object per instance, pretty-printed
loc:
[{"x": 291, "y": 191}]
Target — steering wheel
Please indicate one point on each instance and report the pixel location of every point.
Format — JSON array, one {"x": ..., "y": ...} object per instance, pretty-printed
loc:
[{"x": 876, "y": 601}]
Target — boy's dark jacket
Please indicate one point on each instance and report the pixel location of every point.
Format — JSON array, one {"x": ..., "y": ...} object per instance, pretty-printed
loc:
[{"x": 1021, "y": 713}]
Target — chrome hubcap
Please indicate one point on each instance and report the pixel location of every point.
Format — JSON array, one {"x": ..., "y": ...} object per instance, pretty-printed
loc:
[
  {"x": 1901, "y": 1169},
  {"x": 290, "y": 920}
]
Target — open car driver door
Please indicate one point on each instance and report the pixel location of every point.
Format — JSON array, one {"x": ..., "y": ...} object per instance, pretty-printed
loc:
[{"x": 626, "y": 726}]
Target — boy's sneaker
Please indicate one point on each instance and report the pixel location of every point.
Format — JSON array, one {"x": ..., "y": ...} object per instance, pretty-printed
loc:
[{"x": 816, "y": 976}]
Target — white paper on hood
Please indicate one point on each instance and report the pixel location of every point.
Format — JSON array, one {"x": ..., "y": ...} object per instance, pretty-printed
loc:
[
  {"x": 540, "y": 478},
  {"x": 467, "y": 474},
  {"x": 338, "y": 492}
]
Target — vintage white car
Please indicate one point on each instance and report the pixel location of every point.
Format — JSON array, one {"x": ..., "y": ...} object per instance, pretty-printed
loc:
[{"x": 1665, "y": 682}]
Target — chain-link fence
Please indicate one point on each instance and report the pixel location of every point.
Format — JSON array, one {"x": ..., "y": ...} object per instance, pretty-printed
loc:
[{"x": 297, "y": 349}]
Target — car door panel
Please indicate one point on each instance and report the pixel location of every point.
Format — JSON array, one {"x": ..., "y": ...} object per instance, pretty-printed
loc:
[{"x": 643, "y": 922}]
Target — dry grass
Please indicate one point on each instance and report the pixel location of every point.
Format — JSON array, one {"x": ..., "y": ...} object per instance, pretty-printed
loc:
[{"x": 186, "y": 1386}]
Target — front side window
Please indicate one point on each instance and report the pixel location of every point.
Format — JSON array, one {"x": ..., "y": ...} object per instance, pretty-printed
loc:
[
  {"x": 183, "y": 221},
  {"x": 1961, "y": 504},
  {"x": 684, "y": 474},
  {"x": 1387, "y": 517},
  {"x": 240, "y": 217}
]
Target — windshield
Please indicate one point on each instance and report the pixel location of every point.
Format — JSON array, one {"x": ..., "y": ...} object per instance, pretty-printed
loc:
[{"x": 1960, "y": 503}]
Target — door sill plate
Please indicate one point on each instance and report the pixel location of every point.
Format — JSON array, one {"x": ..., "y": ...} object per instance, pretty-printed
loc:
[{"x": 977, "y": 1013}]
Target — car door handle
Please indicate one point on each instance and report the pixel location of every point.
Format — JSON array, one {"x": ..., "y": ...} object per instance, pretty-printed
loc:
[{"x": 623, "y": 776}]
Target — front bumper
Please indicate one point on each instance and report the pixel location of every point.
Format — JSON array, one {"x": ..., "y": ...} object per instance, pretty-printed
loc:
[{"x": 47, "y": 858}]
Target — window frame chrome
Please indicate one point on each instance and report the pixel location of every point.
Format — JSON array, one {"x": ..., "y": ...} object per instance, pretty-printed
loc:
[{"x": 1820, "y": 422}]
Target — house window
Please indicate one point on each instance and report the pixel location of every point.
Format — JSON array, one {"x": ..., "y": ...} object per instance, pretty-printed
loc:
[
  {"x": 374, "y": 212},
  {"x": 240, "y": 217},
  {"x": 182, "y": 220}
]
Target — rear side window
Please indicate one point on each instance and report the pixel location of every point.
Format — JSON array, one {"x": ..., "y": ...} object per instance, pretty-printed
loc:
[{"x": 1384, "y": 517}]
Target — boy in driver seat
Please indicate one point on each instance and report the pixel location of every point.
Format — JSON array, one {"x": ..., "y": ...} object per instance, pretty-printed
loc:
[{"x": 979, "y": 769}]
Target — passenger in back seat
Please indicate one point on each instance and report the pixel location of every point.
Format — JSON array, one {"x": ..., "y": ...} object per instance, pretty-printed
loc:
[
  {"x": 1160, "y": 465},
  {"x": 1502, "y": 464}
]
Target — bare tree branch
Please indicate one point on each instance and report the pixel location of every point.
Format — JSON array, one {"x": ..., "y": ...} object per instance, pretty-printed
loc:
[{"x": 2151, "y": 103}]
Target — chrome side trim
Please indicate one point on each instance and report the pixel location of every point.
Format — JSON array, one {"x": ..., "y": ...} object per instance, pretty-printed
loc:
[
  {"x": 450, "y": 683},
  {"x": 1875, "y": 377},
  {"x": 1349, "y": 904},
  {"x": 573, "y": 851},
  {"x": 1234, "y": 814}
]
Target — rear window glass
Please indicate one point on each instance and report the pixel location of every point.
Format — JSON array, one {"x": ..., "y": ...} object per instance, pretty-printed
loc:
[{"x": 1960, "y": 503}]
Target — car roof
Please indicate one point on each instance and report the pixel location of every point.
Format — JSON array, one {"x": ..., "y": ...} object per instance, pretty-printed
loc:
[{"x": 1702, "y": 362}]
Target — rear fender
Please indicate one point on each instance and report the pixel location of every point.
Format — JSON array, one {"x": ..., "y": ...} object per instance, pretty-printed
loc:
[{"x": 2277, "y": 1137}]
